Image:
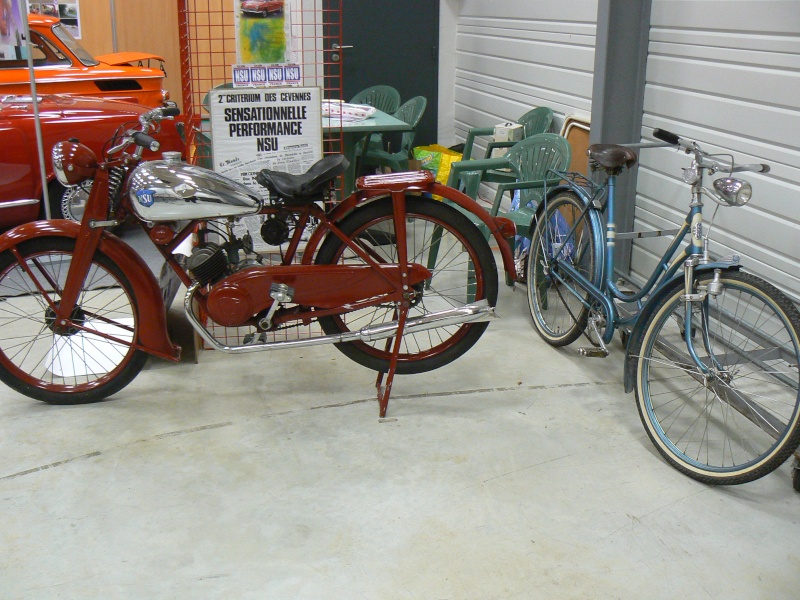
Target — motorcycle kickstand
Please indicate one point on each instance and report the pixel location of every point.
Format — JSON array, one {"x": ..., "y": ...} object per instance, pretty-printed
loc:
[{"x": 385, "y": 391}]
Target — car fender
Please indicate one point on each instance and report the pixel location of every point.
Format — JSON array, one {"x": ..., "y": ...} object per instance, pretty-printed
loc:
[
  {"x": 153, "y": 335},
  {"x": 637, "y": 332}
]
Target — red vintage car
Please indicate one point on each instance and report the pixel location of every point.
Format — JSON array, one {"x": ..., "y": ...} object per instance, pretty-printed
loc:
[
  {"x": 63, "y": 66},
  {"x": 262, "y": 8},
  {"x": 92, "y": 120}
]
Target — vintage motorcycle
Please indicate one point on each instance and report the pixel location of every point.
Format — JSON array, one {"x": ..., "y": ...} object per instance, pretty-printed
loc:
[{"x": 400, "y": 282}]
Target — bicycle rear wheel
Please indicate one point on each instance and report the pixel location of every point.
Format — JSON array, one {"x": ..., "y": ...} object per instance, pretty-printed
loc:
[
  {"x": 563, "y": 234},
  {"x": 463, "y": 271},
  {"x": 742, "y": 420}
]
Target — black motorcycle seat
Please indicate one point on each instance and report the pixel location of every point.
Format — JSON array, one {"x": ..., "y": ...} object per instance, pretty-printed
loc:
[{"x": 307, "y": 187}]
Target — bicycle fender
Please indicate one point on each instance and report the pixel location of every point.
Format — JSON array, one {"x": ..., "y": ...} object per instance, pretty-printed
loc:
[
  {"x": 629, "y": 377},
  {"x": 502, "y": 229},
  {"x": 379, "y": 186},
  {"x": 597, "y": 227},
  {"x": 153, "y": 335}
]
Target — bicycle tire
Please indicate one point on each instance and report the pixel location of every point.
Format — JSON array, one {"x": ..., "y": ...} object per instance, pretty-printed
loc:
[
  {"x": 463, "y": 267},
  {"x": 717, "y": 429},
  {"x": 65, "y": 365},
  {"x": 560, "y": 316}
]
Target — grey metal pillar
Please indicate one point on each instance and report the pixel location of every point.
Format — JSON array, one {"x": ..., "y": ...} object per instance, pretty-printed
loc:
[{"x": 620, "y": 62}]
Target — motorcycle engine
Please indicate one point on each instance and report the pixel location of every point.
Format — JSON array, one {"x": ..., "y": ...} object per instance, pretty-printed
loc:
[{"x": 207, "y": 263}]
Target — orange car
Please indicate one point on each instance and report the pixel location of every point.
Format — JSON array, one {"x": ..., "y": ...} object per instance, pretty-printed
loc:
[
  {"x": 92, "y": 120},
  {"x": 63, "y": 66}
]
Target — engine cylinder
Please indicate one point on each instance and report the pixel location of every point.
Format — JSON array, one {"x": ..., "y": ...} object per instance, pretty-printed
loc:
[{"x": 207, "y": 263}]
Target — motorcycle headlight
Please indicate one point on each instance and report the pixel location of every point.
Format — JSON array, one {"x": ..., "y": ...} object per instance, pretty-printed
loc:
[
  {"x": 735, "y": 192},
  {"x": 73, "y": 163}
]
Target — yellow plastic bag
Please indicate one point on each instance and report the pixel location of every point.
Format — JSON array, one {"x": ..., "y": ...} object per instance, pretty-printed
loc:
[{"x": 437, "y": 159}]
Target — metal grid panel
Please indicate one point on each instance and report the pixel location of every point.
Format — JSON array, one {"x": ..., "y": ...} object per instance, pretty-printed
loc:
[{"x": 208, "y": 51}]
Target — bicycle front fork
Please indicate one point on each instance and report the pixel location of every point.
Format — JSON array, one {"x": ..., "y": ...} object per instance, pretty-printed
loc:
[{"x": 699, "y": 297}]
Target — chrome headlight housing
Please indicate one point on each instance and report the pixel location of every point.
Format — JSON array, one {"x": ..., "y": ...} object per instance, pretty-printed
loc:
[
  {"x": 73, "y": 163},
  {"x": 734, "y": 192}
]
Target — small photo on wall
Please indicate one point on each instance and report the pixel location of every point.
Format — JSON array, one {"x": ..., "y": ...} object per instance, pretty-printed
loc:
[
  {"x": 49, "y": 10},
  {"x": 69, "y": 14}
]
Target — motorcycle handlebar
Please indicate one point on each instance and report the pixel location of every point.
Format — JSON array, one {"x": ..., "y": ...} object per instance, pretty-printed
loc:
[
  {"x": 145, "y": 141},
  {"x": 170, "y": 111}
]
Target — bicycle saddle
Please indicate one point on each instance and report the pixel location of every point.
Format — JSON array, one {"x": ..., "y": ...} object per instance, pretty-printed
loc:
[
  {"x": 611, "y": 156},
  {"x": 307, "y": 187}
]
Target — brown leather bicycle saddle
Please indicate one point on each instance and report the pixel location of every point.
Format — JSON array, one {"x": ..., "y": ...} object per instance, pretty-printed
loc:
[
  {"x": 611, "y": 156},
  {"x": 308, "y": 187}
]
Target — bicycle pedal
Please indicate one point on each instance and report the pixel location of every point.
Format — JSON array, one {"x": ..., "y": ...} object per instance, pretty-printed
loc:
[{"x": 593, "y": 352}]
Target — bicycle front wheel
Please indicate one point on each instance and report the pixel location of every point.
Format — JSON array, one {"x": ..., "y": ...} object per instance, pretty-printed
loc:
[
  {"x": 564, "y": 234},
  {"x": 741, "y": 420},
  {"x": 85, "y": 360},
  {"x": 437, "y": 237}
]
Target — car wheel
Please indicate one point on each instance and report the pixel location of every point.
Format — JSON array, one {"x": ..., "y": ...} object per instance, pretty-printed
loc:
[{"x": 68, "y": 202}]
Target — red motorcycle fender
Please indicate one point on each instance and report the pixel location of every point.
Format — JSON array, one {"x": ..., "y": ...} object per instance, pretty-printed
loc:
[
  {"x": 153, "y": 336},
  {"x": 380, "y": 185}
]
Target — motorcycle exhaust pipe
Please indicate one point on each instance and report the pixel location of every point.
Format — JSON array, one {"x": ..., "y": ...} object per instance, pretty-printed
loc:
[{"x": 469, "y": 313}]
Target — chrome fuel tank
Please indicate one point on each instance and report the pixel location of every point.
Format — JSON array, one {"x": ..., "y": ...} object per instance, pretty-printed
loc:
[{"x": 166, "y": 190}]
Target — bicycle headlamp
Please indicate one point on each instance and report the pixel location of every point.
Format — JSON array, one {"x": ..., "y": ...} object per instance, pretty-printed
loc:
[
  {"x": 691, "y": 175},
  {"x": 735, "y": 192}
]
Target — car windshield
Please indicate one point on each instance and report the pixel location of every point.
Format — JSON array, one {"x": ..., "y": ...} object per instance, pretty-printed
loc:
[{"x": 75, "y": 47}]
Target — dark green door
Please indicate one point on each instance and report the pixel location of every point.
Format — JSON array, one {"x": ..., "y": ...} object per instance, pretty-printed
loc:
[{"x": 396, "y": 43}]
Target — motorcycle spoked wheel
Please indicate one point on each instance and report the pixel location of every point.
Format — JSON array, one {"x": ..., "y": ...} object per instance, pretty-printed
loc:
[
  {"x": 65, "y": 365},
  {"x": 463, "y": 267}
]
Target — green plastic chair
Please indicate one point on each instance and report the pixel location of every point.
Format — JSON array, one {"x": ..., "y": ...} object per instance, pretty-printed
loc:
[
  {"x": 382, "y": 97},
  {"x": 375, "y": 156},
  {"x": 534, "y": 121},
  {"x": 526, "y": 166}
]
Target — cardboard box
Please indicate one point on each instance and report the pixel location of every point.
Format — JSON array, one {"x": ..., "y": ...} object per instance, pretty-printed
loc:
[{"x": 506, "y": 132}]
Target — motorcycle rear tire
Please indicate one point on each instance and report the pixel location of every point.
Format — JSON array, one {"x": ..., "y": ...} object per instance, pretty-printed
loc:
[
  {"x": 65, "y": 364},
  {"x": 463, "y": 267}
]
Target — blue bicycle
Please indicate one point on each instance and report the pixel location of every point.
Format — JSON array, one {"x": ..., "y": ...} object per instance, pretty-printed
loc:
[{"x": 712, "y": 351}]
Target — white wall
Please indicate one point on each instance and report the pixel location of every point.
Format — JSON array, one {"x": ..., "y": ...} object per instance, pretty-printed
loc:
[
  {"x": 727, "y": 74},
  {"x": 510, "y": 57}
]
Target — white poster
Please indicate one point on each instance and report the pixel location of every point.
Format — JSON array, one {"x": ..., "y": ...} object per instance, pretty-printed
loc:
[{"x": 269, "y": 128}]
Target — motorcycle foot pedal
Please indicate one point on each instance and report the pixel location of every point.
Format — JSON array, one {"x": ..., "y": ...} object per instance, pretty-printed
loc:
[
  {"x": 593, "y": 352},
  {"x": 255, "y": 338}
]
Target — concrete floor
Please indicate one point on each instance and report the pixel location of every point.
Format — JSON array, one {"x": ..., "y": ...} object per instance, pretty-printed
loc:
[{"x": 519, "y": 471}]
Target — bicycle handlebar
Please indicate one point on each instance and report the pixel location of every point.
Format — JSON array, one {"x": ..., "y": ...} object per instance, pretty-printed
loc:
[{"x": 703, "y": 158}]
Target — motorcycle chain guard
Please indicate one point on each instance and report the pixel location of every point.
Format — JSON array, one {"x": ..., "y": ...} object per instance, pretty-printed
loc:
[{"x": 235, "y": 300}]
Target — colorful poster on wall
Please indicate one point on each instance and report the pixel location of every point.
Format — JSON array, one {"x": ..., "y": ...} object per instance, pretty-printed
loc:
[
  {"x": 263, "y": 31},
  {"x": 264, "y": 44},
  {"x": 68, "y": 11},
  {"x": 11, "y": 30}
]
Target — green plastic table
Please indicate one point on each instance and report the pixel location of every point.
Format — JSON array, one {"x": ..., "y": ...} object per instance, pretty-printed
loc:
[{"x": 353, "y": 132}]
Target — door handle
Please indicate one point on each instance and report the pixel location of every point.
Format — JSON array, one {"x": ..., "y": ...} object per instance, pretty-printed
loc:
[{"x": 336, "y": 57}]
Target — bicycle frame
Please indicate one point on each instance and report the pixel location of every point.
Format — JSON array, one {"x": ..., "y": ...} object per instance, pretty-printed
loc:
[{"x": 603, "y": 290}]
